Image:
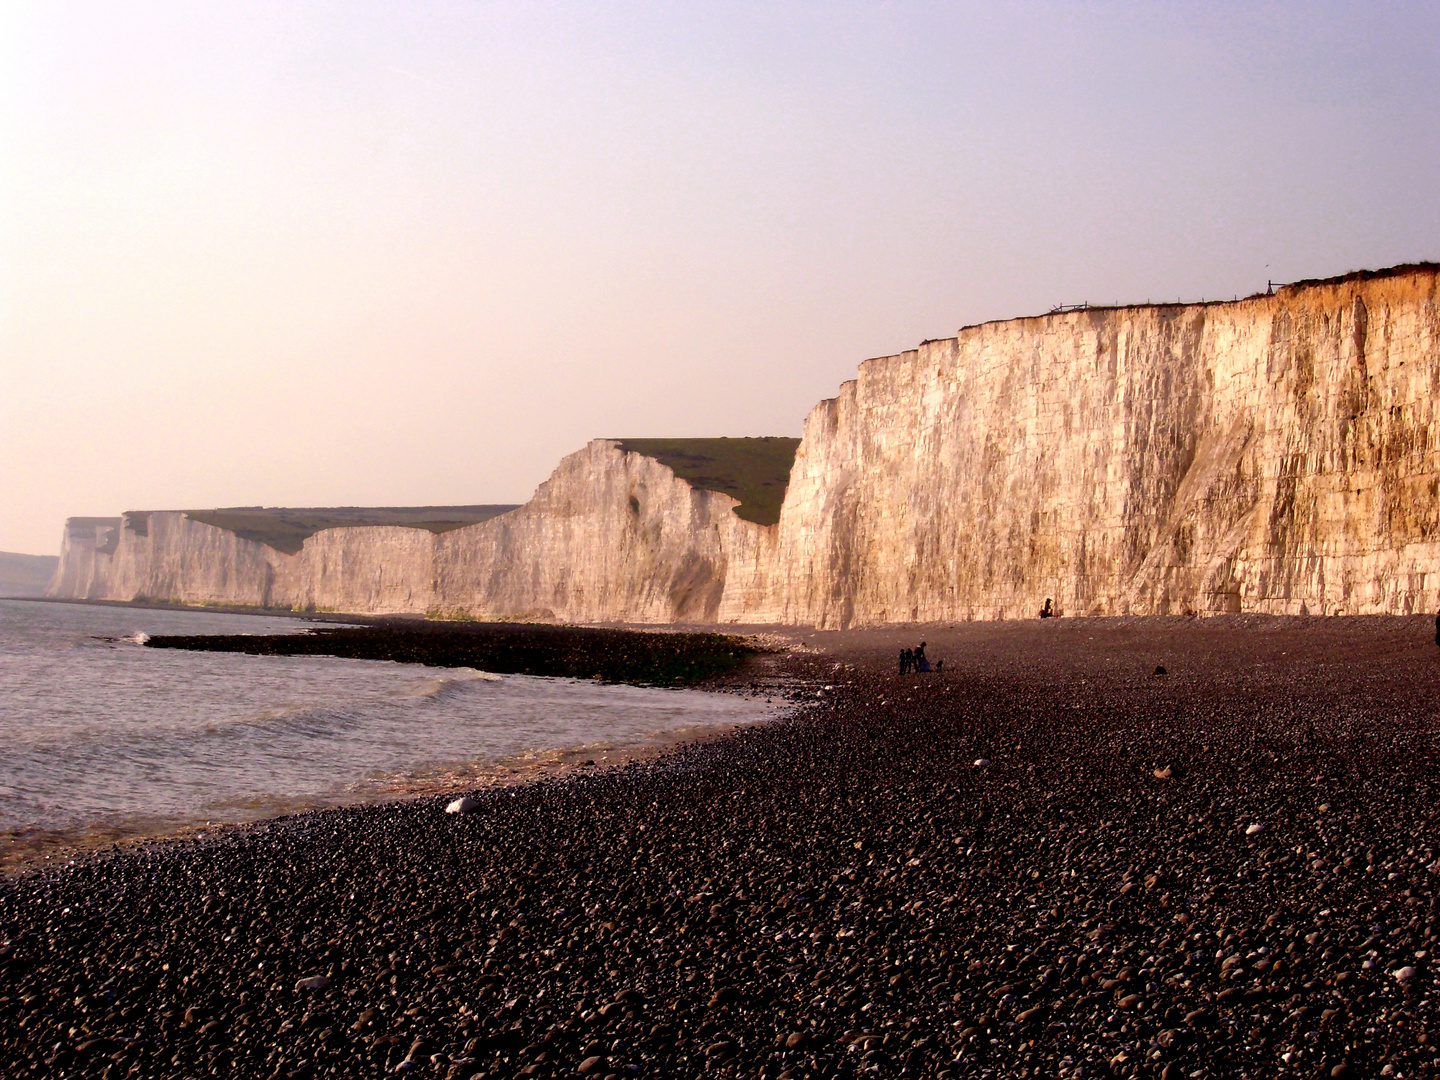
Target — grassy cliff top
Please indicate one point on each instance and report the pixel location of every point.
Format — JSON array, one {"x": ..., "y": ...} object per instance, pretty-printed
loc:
[
  {"x": 287, "y": 529},
  {"x": 755, "y": 471}
]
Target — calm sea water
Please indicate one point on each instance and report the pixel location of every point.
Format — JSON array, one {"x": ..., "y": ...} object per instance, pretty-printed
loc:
[{"x": 102, "y": 739}]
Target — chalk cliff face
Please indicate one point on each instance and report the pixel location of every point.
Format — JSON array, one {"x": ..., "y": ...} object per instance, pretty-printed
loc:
[
  {"x": 611, "y": 536},
  {"x": 1271, "y": 455},
  {"x": 85, "y": 554}
]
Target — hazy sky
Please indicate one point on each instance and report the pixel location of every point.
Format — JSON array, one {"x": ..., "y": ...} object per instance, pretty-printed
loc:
[{"x": 360, "y": 253}]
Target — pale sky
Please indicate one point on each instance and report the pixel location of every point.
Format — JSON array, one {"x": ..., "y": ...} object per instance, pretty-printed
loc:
[{"x": 358, "y": 253}]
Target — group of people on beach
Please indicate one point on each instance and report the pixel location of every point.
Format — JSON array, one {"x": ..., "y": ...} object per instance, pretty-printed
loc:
[{"x": 916, "y": 661}]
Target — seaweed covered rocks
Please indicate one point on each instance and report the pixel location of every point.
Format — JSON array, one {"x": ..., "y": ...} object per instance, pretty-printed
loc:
[
  {"x": 634, "y": 656},
  {"x": 841, "y": 894}
]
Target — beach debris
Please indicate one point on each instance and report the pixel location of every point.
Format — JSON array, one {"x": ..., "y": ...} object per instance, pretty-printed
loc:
[
  {"x": 1163, "y": 774},
  {"x": 463, "y": 805}
]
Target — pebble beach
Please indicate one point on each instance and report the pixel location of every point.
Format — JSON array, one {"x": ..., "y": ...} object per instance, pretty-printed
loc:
[{"x": 1046, "y": 860}]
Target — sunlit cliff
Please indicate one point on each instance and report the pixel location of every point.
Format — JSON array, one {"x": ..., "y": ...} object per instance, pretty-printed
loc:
[{"x": 1275, "y": 454}]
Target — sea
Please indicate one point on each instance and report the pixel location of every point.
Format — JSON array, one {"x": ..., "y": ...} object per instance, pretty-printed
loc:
[{"x": 103, "y": 740}]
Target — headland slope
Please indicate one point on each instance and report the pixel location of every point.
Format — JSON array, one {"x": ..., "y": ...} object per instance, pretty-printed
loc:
[{"x": 26, "y": 575}]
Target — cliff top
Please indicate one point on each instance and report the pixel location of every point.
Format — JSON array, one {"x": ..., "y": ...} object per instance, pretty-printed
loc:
[
  {"x": 1402, "y": 270},
  {"x": 754, "y": 471},
  {"x": 287, "y": 529},
  {"x": 1278, "y": 288}
]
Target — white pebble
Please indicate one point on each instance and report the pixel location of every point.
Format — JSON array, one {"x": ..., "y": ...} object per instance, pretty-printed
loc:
[
  {"x": 1404, "y": 974},
  {"x": 463, "y": 805},
  {"x": 982, "y": 761},
  {"x": 1253, "y": 829},
  {"x": 314, "y": 982}
]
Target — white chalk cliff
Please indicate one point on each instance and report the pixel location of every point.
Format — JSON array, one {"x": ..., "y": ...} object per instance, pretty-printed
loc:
[{"x": 1277, "y": 454}]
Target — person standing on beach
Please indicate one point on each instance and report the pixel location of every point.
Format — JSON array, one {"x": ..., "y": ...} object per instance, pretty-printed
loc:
[
  {"x": 905, "y": 654},
  {"x": 921, "y": 663},
  {"x": 1437, "y": 629}
]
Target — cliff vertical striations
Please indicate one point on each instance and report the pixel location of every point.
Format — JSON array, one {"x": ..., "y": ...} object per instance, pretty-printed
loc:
[{"x": 1269, "y": 455}]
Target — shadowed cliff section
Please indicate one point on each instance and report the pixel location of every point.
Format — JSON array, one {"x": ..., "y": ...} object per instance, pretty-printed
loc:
[
  {"x": 755, "y": 471},
  {"x": 287, "y": 530}
]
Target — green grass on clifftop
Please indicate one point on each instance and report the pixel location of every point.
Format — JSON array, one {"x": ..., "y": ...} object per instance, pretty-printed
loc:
[
  {"x": 286, "y": 530},
  {"x": 755, "y": 471}
]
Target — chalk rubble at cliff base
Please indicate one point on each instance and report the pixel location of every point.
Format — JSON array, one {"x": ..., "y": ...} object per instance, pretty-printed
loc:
[{"x": 839, "y": 894}]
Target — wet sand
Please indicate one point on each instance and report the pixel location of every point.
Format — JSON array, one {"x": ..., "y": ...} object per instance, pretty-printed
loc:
[{"x": 1226, "y": 870}]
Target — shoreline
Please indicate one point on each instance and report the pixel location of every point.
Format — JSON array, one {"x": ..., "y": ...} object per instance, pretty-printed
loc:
[
  {"x": 1048, "y": 861},
  {"x": 31, "y": 849}
]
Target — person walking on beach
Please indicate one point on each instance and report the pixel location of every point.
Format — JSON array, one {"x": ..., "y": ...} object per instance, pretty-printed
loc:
[
  {"x": 921, "y": 664},
  {"x": 1437, "y": 629},
  {"x": 905, "y": 660}
]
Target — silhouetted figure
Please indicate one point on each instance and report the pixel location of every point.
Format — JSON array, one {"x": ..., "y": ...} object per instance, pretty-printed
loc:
[
  {"x": 921, "y": 664},
  {"x": 1047, "y": 612},
  {"x": 939, "y": 666},
  {"x": 907, "y": 659},
  {"x": 1437, "y": 629}
]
